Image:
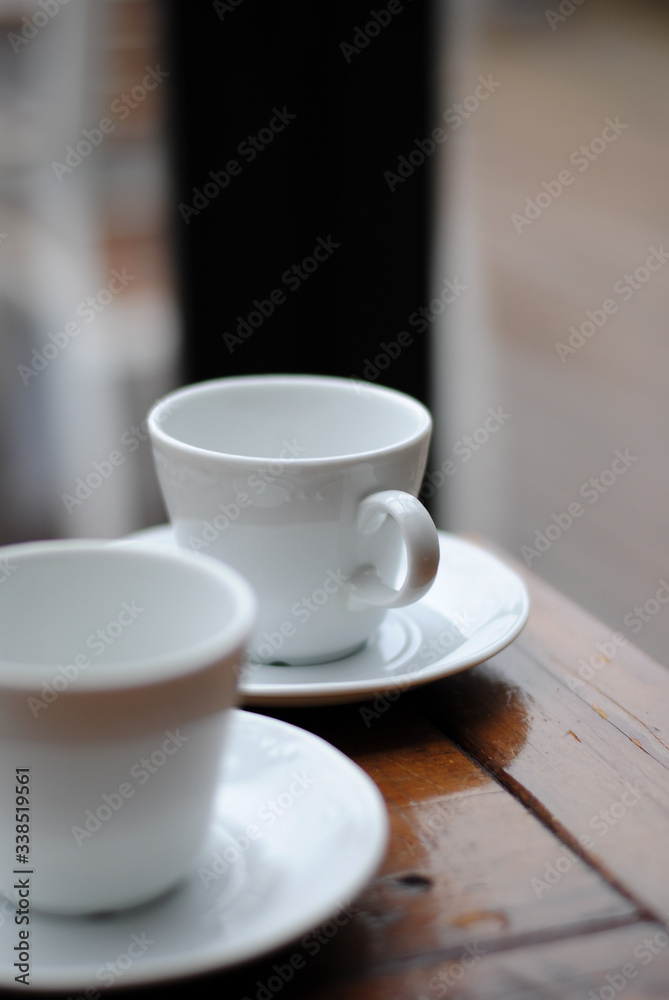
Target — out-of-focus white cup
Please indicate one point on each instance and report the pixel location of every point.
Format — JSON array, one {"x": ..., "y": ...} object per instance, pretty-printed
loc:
[{"x": 118, "y": 668}]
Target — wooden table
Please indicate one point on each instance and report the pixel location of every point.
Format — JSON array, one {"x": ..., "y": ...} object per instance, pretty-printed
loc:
[{"x": 529, "y": 852}]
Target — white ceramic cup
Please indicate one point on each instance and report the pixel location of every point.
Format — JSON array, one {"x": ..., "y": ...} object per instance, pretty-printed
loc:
[
  {"x": 307, "y": 485},
  {"x": 118, "y": 666}
]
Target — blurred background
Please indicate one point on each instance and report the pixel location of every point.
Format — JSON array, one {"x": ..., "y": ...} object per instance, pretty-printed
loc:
[
  {"x": 89, "y": 320},
  {"x": 487, "y": 178}
]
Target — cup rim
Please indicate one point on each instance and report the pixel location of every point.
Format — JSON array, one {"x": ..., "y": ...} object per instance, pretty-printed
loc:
[
  {"x": 158, "y": 434},
  {"x": 142, "y": 671}
]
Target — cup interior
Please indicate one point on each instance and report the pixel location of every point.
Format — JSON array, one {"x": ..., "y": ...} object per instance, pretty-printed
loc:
[
  {"x": 290, "y": 417},
  {"x": 128, "y": 614}
]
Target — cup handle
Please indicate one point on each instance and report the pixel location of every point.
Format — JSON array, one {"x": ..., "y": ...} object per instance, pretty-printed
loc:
[{"x": 422, "y": 548}]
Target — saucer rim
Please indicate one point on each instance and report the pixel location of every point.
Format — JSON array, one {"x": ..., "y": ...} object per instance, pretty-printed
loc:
[
  {"x": 356, "y": 874},
  {"x": 294, "y": 694}
]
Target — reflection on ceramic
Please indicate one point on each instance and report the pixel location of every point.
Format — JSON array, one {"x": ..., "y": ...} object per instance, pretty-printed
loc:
[
  {"x": 475, "y": 608},
  {"x": 298, "y": 832}
]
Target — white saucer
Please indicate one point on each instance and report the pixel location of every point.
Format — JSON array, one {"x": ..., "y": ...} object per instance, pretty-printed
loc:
[
  {"x": 306, "y": 865},
  {"x": 475, "y": 608}
]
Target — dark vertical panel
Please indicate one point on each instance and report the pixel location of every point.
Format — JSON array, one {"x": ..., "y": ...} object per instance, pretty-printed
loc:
[{"x": 232, "y": 67}]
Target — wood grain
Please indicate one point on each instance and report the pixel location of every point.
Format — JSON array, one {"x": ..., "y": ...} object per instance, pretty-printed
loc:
[
  {"x": 467, "y": 860},
  {"x": 592, "y": 769},
  {"x": 630, "y": 961},
  {"x": 600, "y": 664}
]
